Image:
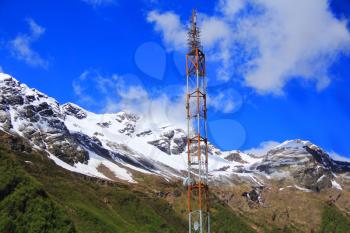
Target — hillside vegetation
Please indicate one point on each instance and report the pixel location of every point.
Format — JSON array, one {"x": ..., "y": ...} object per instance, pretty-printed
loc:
[
  {"x": 38, "y": 196},
  {"x": 334, "y": 221},
  {"x": 24, "y": 204}
]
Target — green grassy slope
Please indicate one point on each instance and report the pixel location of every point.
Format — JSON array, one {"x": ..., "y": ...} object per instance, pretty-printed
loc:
[
  {"x": 46, "y": 199},
  {"x": 226, "y": 222},
  {"x": 60, "y": 201},
  {"x": 333, "y": 221},
  {"x": 25, "y": 206}
]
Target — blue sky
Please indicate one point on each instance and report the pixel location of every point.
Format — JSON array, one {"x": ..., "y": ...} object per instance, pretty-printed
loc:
[{"x": 276, "y": 71}]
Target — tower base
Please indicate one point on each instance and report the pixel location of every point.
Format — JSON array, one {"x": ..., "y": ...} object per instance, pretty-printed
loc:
[{"x": 199, "y": 222}]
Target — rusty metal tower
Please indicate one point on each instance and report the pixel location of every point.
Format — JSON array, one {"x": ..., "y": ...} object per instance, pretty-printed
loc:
[{"x": 197, "y": 143}]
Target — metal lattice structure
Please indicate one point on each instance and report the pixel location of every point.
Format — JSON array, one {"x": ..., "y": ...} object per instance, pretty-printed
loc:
[{"x": 197, "y": 143}]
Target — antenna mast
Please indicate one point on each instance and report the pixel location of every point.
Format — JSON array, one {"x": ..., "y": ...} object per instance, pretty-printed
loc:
[{"x": 197, "y": 142}]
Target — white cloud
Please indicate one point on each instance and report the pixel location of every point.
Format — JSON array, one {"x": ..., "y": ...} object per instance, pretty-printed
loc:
[
  {"x": 35, "y": 28},
  {"x": 169, "y": 24},
  {"x": 21, "y": 45},
  {"x": 162, "y": 110},
  {"x": 97, "y": 3},
  {"x": 291, "y": 39},
  {"x": 133, "y": 93},
  {"x": 126, "y": 93},
  {"x": 213, "y": 31},
  {"x": 279, "y": 41},
  {"x": 227, "y": 102},
  {"x": 216, "y": 37},
  {"x": 230, "y": 7},
  {"x": 156, "y": 107},
  {"x": 338, "y": 157},
  {"x": 263, "y": 148}
]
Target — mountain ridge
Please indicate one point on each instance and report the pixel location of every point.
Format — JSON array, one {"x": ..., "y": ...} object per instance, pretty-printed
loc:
[
  {"x": 126, "y": 145},
  {"x": 92, "y": 165}
]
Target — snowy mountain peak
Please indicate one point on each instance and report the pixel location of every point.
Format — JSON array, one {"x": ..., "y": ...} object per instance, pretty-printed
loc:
[
  {"x": 121, "y": 145},
  {"x": 15, "y": 93},
  {"x": 4, "y": 77},
  {"x": 296, "y": 143}
]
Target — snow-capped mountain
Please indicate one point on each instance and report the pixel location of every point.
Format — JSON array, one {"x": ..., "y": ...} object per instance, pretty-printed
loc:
[{"x": 123, "y": 146}]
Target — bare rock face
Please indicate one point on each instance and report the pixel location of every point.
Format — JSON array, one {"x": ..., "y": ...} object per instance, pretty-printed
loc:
[
  {"x": 162, "y": 144},
  {"x": 73, "y": 110},
  {"x": 129, "y": 129},
  {"x": 254, "y": 196},
  {"x": 91, "y": 143},
  {"x": 124, "y": 116},
  {"x": 235, "y": 156},
  {"x": 144, "y": 133},
  {"x": 314, "y": 178},
  {"x": 68, "y": 153},
  {"x": 129, "y": 121},
  {"x": 323, "y": 158},
  {"x": 171, "y": 141},
  {"x": 179, "y": 142},
  {"x": 303, "y": 163},
  {"x": 104, "y": 124},
  {"x": 5, "y": 118},
  {"x": 37, "y": 117}
]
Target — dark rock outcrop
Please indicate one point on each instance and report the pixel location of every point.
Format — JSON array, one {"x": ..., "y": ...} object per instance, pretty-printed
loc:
[
  {"x": 38, "y": 118},
  {"x": 74, "y": 110},
  {"x": 254, "y": 196},
  {"x": 172, "y": 141}
]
